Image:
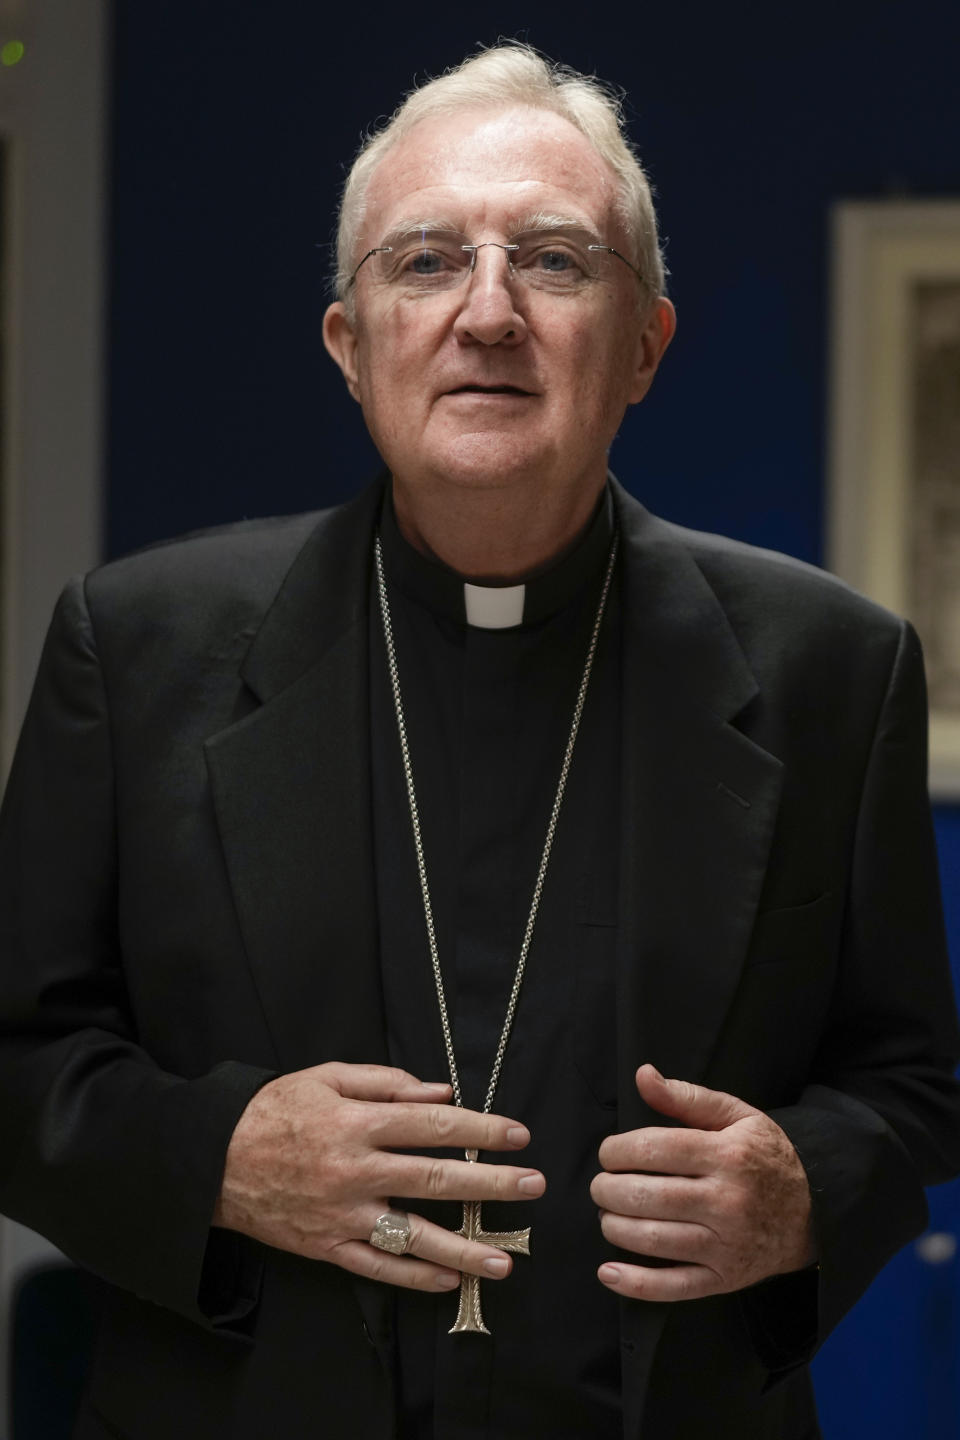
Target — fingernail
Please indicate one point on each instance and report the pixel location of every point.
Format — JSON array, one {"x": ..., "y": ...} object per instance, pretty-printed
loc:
[
  {"x": 610, "y": 1274},
  {"x": 531, "y": 1185},
  {"x": 518, "y": 1135},
  {"x": 447, "y": 1280},
  {"x": 437, "y": 1086},
  {"x": 656, "y": 1073},
  {"x": 496, "y": 1268}
]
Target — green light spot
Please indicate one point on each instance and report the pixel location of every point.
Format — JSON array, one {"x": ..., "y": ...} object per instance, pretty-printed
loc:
[{"x": 12, "y": 53}]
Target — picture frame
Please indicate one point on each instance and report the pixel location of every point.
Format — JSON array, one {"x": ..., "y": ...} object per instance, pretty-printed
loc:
[{"x": 893, "y": 505}]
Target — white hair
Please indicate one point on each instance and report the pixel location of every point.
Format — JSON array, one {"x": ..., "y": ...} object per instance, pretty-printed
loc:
[{"x": 513, "y": 74}]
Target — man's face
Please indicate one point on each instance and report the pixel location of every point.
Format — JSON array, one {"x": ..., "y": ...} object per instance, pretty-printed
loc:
[{"x": 493, "y": 383}]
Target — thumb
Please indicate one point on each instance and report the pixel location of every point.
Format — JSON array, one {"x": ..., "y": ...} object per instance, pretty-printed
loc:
[{"x": 694, "y": 1105}]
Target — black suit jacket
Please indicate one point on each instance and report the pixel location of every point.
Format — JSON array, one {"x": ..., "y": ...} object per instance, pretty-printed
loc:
[{"x": 188, "y": 908}]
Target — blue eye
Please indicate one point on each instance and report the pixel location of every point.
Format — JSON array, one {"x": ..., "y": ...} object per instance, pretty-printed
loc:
[
  {"x": 556, "y": 261},
  {"x": 427, "y": 262},
  {"x": 436, "y": 264}
]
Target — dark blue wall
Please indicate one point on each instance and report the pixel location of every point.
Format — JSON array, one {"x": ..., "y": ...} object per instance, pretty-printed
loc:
[{"x": 232, "y": 123}]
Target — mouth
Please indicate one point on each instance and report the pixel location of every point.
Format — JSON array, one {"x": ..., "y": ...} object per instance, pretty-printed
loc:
[{"x": 478, "y": 389}]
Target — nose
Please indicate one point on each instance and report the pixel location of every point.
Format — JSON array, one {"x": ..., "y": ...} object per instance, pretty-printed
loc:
[{"x": 488, "y": 313}]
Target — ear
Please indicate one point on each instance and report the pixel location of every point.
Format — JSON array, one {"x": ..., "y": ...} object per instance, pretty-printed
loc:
[
  {"x": 658, "y": 330},
  {"x": 340, "y": 338}
]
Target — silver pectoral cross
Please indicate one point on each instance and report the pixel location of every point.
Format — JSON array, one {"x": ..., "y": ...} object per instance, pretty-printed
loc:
[{"x": 469, "y": 1314}]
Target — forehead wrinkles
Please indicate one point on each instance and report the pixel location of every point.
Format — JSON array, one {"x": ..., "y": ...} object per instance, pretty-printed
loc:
[{"x": 477, "y": 169}]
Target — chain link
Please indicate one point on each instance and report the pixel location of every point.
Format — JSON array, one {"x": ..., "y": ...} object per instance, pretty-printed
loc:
[{"x": 418, "y": 838}]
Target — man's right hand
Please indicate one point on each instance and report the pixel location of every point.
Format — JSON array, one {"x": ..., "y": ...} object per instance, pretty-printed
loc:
[{"x": 312, "y": 1164}]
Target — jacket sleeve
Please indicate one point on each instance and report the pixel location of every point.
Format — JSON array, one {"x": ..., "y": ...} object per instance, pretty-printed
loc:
[
  {"x": 880, "y": 1118},
  {"x": 115, "y": 1160}
]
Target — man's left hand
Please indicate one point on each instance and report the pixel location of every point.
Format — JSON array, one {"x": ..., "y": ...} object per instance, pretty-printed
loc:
[{"x": 723, "y": 1195}]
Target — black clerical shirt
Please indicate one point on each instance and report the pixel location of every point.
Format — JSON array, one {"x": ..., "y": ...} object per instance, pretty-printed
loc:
[{"x": 488, "y": 714}]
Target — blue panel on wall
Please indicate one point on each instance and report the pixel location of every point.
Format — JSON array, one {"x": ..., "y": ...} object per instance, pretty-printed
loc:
[
  {"x": 890, "y": 1370},
  {"x": 947, "y": 819}
]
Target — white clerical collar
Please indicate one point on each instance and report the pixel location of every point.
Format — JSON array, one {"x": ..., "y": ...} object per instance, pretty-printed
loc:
[{"x": 494, "y": 607}]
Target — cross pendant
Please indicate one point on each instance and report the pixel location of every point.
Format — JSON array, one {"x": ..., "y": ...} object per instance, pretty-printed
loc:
[{"x": 469, "y": 1315}]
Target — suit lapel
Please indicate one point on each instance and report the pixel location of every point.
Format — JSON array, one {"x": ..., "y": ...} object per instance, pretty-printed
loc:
[
  {"x": 700, "y": 803},
  {"x": 292, "y": 795},
  {"x": 291, "y": 786},
  {"x": 700, "y": 806}
]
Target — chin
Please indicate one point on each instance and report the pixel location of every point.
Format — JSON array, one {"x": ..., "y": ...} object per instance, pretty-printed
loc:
[{"x": 485, "y": 461}]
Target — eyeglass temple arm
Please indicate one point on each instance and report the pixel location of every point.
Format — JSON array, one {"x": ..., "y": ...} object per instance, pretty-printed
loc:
[{"x": 611, "y": 251}]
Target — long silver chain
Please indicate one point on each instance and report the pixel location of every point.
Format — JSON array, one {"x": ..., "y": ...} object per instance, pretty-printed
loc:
[{"x": 547, "y": 844}]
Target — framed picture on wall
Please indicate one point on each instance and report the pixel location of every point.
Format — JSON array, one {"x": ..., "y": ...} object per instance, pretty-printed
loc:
[{"x": 894, "y": 499}]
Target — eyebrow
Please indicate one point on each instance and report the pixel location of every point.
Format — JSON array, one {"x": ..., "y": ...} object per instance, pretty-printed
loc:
[
  {"x": 405, "y": 228},
  {"x": 542, "y": 220},
  {"x": 538, "y": 221}
]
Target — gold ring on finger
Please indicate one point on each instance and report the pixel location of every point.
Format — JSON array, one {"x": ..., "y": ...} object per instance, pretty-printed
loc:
[{"x": 391, "y": 1232}]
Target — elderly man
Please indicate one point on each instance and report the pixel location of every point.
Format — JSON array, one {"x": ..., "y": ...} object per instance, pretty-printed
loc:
[{"x": 366, "y": 873}]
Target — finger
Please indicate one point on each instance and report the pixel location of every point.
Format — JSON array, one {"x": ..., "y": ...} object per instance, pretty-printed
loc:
[
  {"x": 361, "y": 1258},
  {"x": 654, "y": 1197},
  {"x": 422, "y": 1178},
  {"x": 669, "y": 1283},
  {"x": 422, "y": 1127},
  {"x": 447, "y": 1248},
  {"x": 663, "y": 1150},
  {"x": 380, "y": 1082},
  {"x": 665, "y": 1239},
  {"x": 693, "y": 1104}
]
